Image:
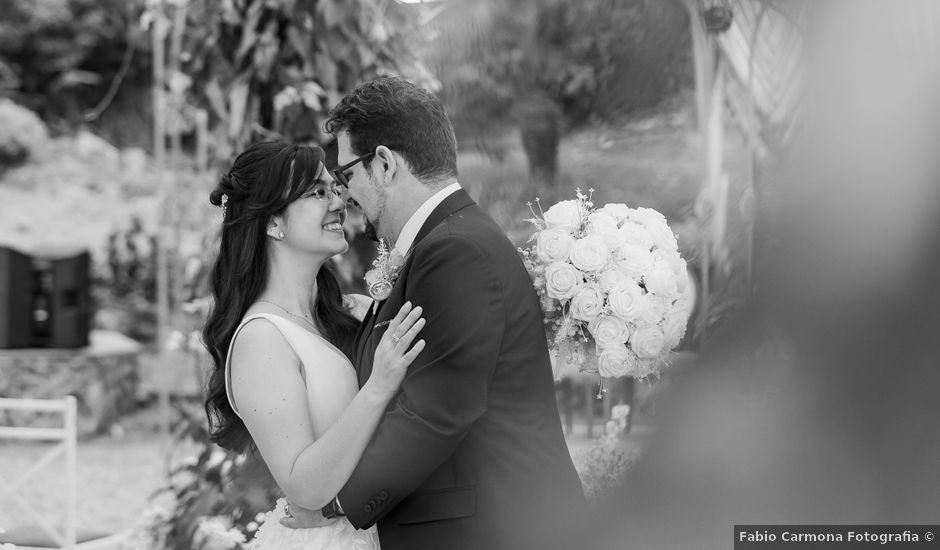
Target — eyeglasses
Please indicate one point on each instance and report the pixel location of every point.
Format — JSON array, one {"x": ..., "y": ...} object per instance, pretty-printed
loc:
[
  {"x": 324, "y": 191},
  {"x": 339, "y": 174}
]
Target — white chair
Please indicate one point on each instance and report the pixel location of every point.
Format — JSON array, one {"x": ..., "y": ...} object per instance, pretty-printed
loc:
[{"x": 41, "y": 534}]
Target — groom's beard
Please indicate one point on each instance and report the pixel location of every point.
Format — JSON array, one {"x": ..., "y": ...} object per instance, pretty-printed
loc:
[{"x": 370, "y": 231}]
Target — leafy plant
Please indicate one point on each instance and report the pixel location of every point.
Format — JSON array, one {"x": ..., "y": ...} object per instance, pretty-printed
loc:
[
  {"x": 213, "y": 483},
  {"x": 126, "y": 285},
  {"x": 275, "y": 67},
  {"x": 59, "y": 58}
]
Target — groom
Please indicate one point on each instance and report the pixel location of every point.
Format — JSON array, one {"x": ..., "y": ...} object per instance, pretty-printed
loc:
[{"x": 471, "y": 453}]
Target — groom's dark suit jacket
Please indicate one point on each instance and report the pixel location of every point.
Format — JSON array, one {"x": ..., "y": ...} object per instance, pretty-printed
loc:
[{"x": 471, "y": 452}]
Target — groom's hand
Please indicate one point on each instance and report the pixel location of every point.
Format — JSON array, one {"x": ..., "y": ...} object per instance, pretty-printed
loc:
[{"x": 302, "y": 518}]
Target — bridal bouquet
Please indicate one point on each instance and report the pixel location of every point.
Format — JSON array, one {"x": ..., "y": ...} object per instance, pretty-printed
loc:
[{"x": 612, "y": 285}]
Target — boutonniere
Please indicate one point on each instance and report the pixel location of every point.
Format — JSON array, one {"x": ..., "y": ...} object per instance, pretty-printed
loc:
[{"x": 381, "y": 278}]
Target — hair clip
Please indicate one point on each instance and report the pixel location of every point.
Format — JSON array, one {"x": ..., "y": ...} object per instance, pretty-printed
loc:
[{"x": 224, "y": 205}]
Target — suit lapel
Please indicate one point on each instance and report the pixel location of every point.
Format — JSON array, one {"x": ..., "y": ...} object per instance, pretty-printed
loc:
[
  {"x": 457, "y": 200},
  {"x": 364, "y": 363},
  {"x": 365, "y": 342}
]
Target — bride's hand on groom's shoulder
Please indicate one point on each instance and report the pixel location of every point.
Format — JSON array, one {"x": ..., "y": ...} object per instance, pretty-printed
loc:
[
  {"x": 302, "y": 518},
  {"x": 392, "y": 355}
]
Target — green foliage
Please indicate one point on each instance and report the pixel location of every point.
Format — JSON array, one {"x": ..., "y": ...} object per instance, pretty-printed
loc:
[
  {"x": 259, "y": 67},
  {"x": 58, "y": 57},
  {"x": 274, "y": 67},
  {"x": 126, "y": 285},
  {"x": 212, "y": 483}
]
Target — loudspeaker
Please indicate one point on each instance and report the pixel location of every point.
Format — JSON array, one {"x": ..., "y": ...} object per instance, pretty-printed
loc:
[
  {"x": 61, "y": 302},
  {"x": 15, "y": 299}
]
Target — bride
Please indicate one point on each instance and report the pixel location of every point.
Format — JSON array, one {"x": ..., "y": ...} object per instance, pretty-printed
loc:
[{"x": 280, "y": 333}]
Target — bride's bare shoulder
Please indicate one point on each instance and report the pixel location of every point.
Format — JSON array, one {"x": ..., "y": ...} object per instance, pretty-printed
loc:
[{"x": 358, "y": 304}]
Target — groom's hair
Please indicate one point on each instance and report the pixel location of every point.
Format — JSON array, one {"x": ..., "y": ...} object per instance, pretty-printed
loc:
[{"x": 407, "y": 119}]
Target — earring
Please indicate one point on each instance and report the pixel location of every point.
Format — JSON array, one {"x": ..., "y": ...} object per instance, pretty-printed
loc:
[{"x": 280, "y": 235}]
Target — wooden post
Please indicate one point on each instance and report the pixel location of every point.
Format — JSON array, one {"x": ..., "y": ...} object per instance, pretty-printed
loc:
[
  {"x": 71, "y": 466},
  {"x": 170, "y": 203},
  {"x": 709, "y": 94},
  {"x": 159, "y": 80},
  {"x": 716, "y": 183},
  {"x": 202, "y": 140},
  {"x": 159, "y": 153},
  {"x": 702, "y": 62},
  {"x": 173, "y": 63}
]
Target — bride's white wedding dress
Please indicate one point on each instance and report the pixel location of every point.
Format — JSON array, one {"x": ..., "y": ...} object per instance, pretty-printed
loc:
[{"x": 331, "y": 385}]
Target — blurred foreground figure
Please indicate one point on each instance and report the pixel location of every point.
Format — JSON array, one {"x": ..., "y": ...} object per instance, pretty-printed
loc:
[{"x": 840, "y": 427}]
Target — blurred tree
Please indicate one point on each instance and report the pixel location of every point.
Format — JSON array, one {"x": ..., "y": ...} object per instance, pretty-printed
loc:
[
  {"x": 61, "y": 58},
  {"x": 542, "y": 65}
]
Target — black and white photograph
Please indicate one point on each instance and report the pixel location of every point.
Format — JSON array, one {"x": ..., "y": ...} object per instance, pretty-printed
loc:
[{"x": 469, "y": 274}]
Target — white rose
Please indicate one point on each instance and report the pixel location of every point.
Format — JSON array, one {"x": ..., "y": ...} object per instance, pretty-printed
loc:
[
  {"x": 626, "y": 299},
  {"x": 380, "y": 290},
  {"x": 646, "y": 216},
  {"x": 652, "y": 309},
  {"x": 636, "y": 235},
  {"x": 620, "y": 212},
  {"x": 659, "y": 231},
  {"x": 614, "y": 361},
  {"x": 609, "y": 278},
  {"x": 674, "y": 328},
  {"x": 663, "y": 238},
  {"x": 562, "y": 280},
  {"x": 553, "y": 245},
  {"x": 661, "y": 280},
  {"x": 566, "y": 215},
  {"x": 604, "y": 226},
  {"x": 647, "y": 342},
  {"x": 587, "y": 303},
  {"x": 589, "y": 253},
  {"x": 608, "y": 331},
  {"x": 684, "y": 282},
  {"x": 671, "y": 258},
  {"x": 684, "y": 304},
  {"x": 635, "y": 261}
]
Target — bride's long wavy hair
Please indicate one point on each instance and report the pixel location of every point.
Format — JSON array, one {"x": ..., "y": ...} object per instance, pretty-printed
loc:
[{"x": 263, "y": 181}]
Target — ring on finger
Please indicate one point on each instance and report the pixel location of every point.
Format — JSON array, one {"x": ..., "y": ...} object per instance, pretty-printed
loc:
[
  {"x": 287, "y": 510},
  {"x": 396, "y": 338}
]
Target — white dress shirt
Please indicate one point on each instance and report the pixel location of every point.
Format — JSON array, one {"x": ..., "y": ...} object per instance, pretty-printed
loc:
[
  {"x": 406, "y": 238},
  {"x": 410, "y": 230}
]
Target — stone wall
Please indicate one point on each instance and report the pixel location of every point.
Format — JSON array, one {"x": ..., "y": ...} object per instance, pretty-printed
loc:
[{"x": 103, "y": 376}]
